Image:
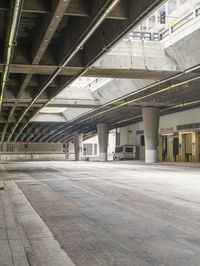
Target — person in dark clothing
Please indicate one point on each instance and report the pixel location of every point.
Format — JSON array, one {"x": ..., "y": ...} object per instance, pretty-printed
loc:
[{"x": 164, "y": 155}]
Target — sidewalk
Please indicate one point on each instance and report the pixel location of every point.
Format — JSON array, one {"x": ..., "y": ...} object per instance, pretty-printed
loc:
[
  {"x": 180, "y": 164},
  {"x": 24, "y": 237},
  {"x": 12, "y": 251}
]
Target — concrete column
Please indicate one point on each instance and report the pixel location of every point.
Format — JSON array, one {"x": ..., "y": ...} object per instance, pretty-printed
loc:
[
  {"x": 78, "y": 146},
  {"x": 151, "y": 124},
  {"x": 102, "y": 130}
]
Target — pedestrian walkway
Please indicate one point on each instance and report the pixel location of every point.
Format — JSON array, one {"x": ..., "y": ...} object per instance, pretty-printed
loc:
[
  {"x": 12, "y": 251},
  {"x": 24, "y": 237},
  {"x": 181, "y": 164}
]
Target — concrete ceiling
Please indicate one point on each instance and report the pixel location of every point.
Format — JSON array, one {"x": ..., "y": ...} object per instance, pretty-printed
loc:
[
  {"x": 179, "y": 93},
  {"x": 45, "y": 45}
]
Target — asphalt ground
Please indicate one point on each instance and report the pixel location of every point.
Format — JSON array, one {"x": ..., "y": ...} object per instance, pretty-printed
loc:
[{"x": 111, "y": 214}]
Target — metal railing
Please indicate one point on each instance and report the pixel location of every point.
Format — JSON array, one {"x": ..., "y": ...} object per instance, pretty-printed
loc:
[
  {"x": 144, "y": 35},
  {"x": 158, "y": 36},
  {"x": 179, "y": 24}
]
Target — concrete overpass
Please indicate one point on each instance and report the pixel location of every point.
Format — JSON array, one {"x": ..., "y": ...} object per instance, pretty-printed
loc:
[
  {"x": 65, "y": 78},
  {"x": 37, "y": 37},
  {"x": 178, "y": 90},
  {"x": 146, "y": 72}
]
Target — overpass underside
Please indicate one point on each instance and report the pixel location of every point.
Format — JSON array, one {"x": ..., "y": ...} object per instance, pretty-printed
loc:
[
  {"x": 46, "y": 45},
  {"x": 72, "y": 95}
]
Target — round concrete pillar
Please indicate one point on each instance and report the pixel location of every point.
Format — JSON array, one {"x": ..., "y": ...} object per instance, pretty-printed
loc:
[
  {"x": 78, "y": 144},
  {"x": 151, "y": 117},
  {"x": 102, "y": 130}
]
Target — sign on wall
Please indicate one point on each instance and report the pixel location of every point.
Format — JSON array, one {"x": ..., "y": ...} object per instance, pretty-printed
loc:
[{"x": 167, "y": 130}]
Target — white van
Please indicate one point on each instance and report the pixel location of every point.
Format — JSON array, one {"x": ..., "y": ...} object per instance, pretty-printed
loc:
[{"x": 125, "y": 152}]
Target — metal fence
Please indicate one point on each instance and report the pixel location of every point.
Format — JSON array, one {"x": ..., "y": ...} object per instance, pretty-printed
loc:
[
  {"x": 145, "y": 35},
  {"x": 179, "y": 24},
  {"x": 157, "y": 36}
]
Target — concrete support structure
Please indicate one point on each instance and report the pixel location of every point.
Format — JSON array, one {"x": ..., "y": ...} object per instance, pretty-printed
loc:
[
  {"x": 151, "y": 124},
  {"x": 102, "y": 130},
  {"x": 78, "y": 146}
]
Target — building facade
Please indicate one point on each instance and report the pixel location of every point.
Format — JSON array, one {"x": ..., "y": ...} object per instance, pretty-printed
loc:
[{"x": 179, "y": 137}]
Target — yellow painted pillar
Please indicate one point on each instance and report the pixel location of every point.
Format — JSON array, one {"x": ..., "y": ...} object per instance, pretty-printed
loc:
[
  {"x": 160, "y": 147},
  {"x": 182, "y": 139},
  {"x": 195, "y": 147},
  {"x": 170, "y": 148}
]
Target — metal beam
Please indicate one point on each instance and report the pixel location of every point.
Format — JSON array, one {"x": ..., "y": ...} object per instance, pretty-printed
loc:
[
  {"x": 78, "y": 8},
  {"x": 59, "y": 104},
  {"x": 10, "y": 42},
  {"x": 77, "y": 42},
  {"x": 40, "y": 136},
  {"x": 103, "y": 72},
  {"x": 67, "y": 133},
  {"x": 48, "y": 26},
  {"x": 100, "y": 12},
  {"x": 25, "y": 134},
  {"x": 135, "y": 97},
  {"x": 82, "y": 30},
  {"x": 43, "y": 37},
  {"x": 41, "y": 69},
  {"x": 109, "y": 33}
]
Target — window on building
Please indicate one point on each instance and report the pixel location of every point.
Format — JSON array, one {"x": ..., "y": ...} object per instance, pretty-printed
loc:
[
  {"x": 87, "y": 147},
  {"x": 95, "y": 149},
  {"x": 142, "y": 140},
  {"x": 129, "y": 149}
]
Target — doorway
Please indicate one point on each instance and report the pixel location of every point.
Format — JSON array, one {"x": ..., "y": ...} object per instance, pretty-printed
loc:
[{"x": 175, "y": 148}]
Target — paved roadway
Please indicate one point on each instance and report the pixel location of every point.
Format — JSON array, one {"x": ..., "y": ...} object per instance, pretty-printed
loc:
[{"x": 116, "y": 214}]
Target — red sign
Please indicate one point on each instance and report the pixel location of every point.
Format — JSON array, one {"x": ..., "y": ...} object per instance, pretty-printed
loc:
[
  {"x": 25, "y": 144},
  {"x": 166, "y": 130}
]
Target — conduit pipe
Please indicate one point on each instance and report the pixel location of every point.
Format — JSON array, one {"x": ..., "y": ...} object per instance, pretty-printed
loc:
[
  {"x": 10, "y": 43},
  {"x": 111, "y": 6},
  {"x": 173, "y": 86},
  {"x": 66, "y": 61},
  {"x": 141, "y": 90}
]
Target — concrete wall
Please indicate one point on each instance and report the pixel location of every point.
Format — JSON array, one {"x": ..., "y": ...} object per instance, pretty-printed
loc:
[
  {"x": 183, "y": 47},
  {"x": 168, "y": 122},
  {"x": 118, "y": 88},
  {"x": 71, "y": 113},
  {"x": 48, "y": 151},
  {"x": 111, "y": 143},
  {"x": 128, "y": 134},
  {"x": 35, "y": 151},
  {"x": 137, "y": 54},
  {"x": 185, "y": 117},
  {"x": 34, "y": 156}
]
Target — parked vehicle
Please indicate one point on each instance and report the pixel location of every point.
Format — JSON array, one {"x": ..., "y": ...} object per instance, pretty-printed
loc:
[{"x": 125, "y": 152}]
